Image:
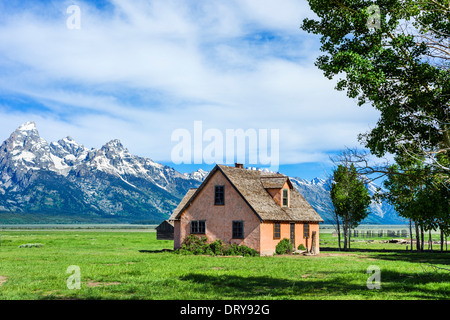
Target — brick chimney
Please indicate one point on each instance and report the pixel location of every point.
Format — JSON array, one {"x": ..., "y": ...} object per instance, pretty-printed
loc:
[{"x": 239, "y": 165}]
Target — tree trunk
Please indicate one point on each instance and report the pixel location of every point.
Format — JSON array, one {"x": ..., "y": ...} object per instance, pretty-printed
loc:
[
  {"x": 417, "y": 236},
  {"x": 339, "y": 233},
  {"x": 410, "y": 234},
  {"x": 345, "y": 238},
  {"x": 442, "y": 240},
  {"x": 430, "y": 241},
  {"x": 349, "y": 237},
  {"x": 422, "y": 239}
]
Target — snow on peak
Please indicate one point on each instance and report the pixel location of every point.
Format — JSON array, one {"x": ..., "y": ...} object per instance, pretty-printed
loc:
[
  {"x": 114, "y": 144},
  {"x": 27, "y": 126},
  {"x": 69, "y": 140},
  {"x": 199, "y": 175},
  {"x": 317, "y": 181}
]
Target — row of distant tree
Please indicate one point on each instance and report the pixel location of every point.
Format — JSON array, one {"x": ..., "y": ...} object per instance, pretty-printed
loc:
[{"x": 393, "y": 55}]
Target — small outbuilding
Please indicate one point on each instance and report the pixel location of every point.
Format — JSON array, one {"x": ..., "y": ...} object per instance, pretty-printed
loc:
[{"x": 165, "y": 230}]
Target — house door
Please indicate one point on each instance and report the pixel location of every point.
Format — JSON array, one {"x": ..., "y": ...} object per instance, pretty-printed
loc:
[{"x": 292, "y": 227}]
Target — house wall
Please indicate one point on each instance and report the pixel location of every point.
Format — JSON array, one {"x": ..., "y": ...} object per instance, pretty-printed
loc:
[
  {"x": 268, "y": 243},
  {"x": 219, "y": 218}
]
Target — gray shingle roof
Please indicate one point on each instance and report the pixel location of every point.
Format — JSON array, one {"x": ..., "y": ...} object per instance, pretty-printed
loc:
[{"x": 273, "y": 182}]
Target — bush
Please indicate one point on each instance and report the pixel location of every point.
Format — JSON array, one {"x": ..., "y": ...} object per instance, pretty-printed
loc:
[
  {"x": 235, "y": 250},
  {"x": 301, "y": 247},
  {"x": 216, "y": 247},
  {"x": 247, "y": 252},
  {"x": 199, "y": 245},
  {"x": 230, "y": 250},
  {"x": 284, "y": 247},
  {"x": 193, "y": 244}
]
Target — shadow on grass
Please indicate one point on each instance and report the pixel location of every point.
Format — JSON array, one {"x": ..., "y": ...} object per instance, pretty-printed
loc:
[
  {"x": 331, "y": 284},
  {"x": 156, "y": 251},
  {"x": 233, "y": 286},
  {"x": 430, "y": 257}
]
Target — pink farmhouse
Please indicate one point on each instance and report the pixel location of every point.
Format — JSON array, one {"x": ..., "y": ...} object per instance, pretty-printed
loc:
[{"x": 247, "y": 207}]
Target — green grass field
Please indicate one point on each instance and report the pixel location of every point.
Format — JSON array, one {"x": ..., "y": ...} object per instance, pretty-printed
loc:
[{"x": 133, "y": 265}]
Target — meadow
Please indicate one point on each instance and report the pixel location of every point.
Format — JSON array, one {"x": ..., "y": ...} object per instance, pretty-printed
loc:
[{"x": 133, "y": 265}]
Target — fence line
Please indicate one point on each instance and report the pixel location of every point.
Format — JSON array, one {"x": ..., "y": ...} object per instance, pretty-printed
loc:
[{"x": 356, "y": 233}]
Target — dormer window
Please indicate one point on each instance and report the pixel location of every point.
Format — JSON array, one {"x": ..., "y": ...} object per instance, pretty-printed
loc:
[
  {"x": 285, "y": 197},
  {"x": 219, "y": 195}
]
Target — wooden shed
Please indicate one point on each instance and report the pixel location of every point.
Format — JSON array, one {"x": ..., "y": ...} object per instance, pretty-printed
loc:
[{"x": 165, "y": 230}]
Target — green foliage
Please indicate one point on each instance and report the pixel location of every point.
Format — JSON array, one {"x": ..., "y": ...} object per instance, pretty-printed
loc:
[
  {"x": 401, "y": 68},
  {"x": 199, "y": 245},
  {"x": 284, "y": 247},
  {"x": 236, "y": 250},
  {"x": 301, "y": 247},
  {"x": 349, "y": 195},
  {"x": 403, "y": 184},
  {"x": 350, "y": 198},
  {"x": 419, "y": 193},
  {"x": 216, "y": 247},
  {"x": 193, "y": 245}
]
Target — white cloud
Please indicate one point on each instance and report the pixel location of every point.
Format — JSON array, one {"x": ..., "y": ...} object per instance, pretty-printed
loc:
[{"x": 144, "y": 69}]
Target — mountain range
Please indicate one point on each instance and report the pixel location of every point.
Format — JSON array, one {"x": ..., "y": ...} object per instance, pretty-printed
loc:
[{"x": 64, "y": 181}]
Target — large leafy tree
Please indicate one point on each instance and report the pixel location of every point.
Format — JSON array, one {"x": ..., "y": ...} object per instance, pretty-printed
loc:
[
  {"x": 434, "y": 201},
  {"x": 418, "y": 193},
  {"x": 395, "y": 56},
  {"x": 404, "y": 184},
  {"x": 350, "y": 199}
]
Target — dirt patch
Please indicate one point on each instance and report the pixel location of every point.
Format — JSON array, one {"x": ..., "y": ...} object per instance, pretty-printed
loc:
[
  {"x": 49, "y": 293},
  {"x": 335, "y": 255},
  {"x": 3, "y": 280},
  {"x": 92, "y": 284},
  {"x": 367, "y": 258},
  {"x": 319, "y": 255}
]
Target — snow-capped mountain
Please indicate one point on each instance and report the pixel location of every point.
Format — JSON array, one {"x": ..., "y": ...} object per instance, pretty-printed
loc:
[
  {"x": 198, "y": 175},
  {"x": 25, "y": 150},
  {"x": 65, "y": 177}
]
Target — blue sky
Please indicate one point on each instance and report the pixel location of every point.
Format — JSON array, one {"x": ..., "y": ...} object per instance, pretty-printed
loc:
[{"x": 139, "y": 70}]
